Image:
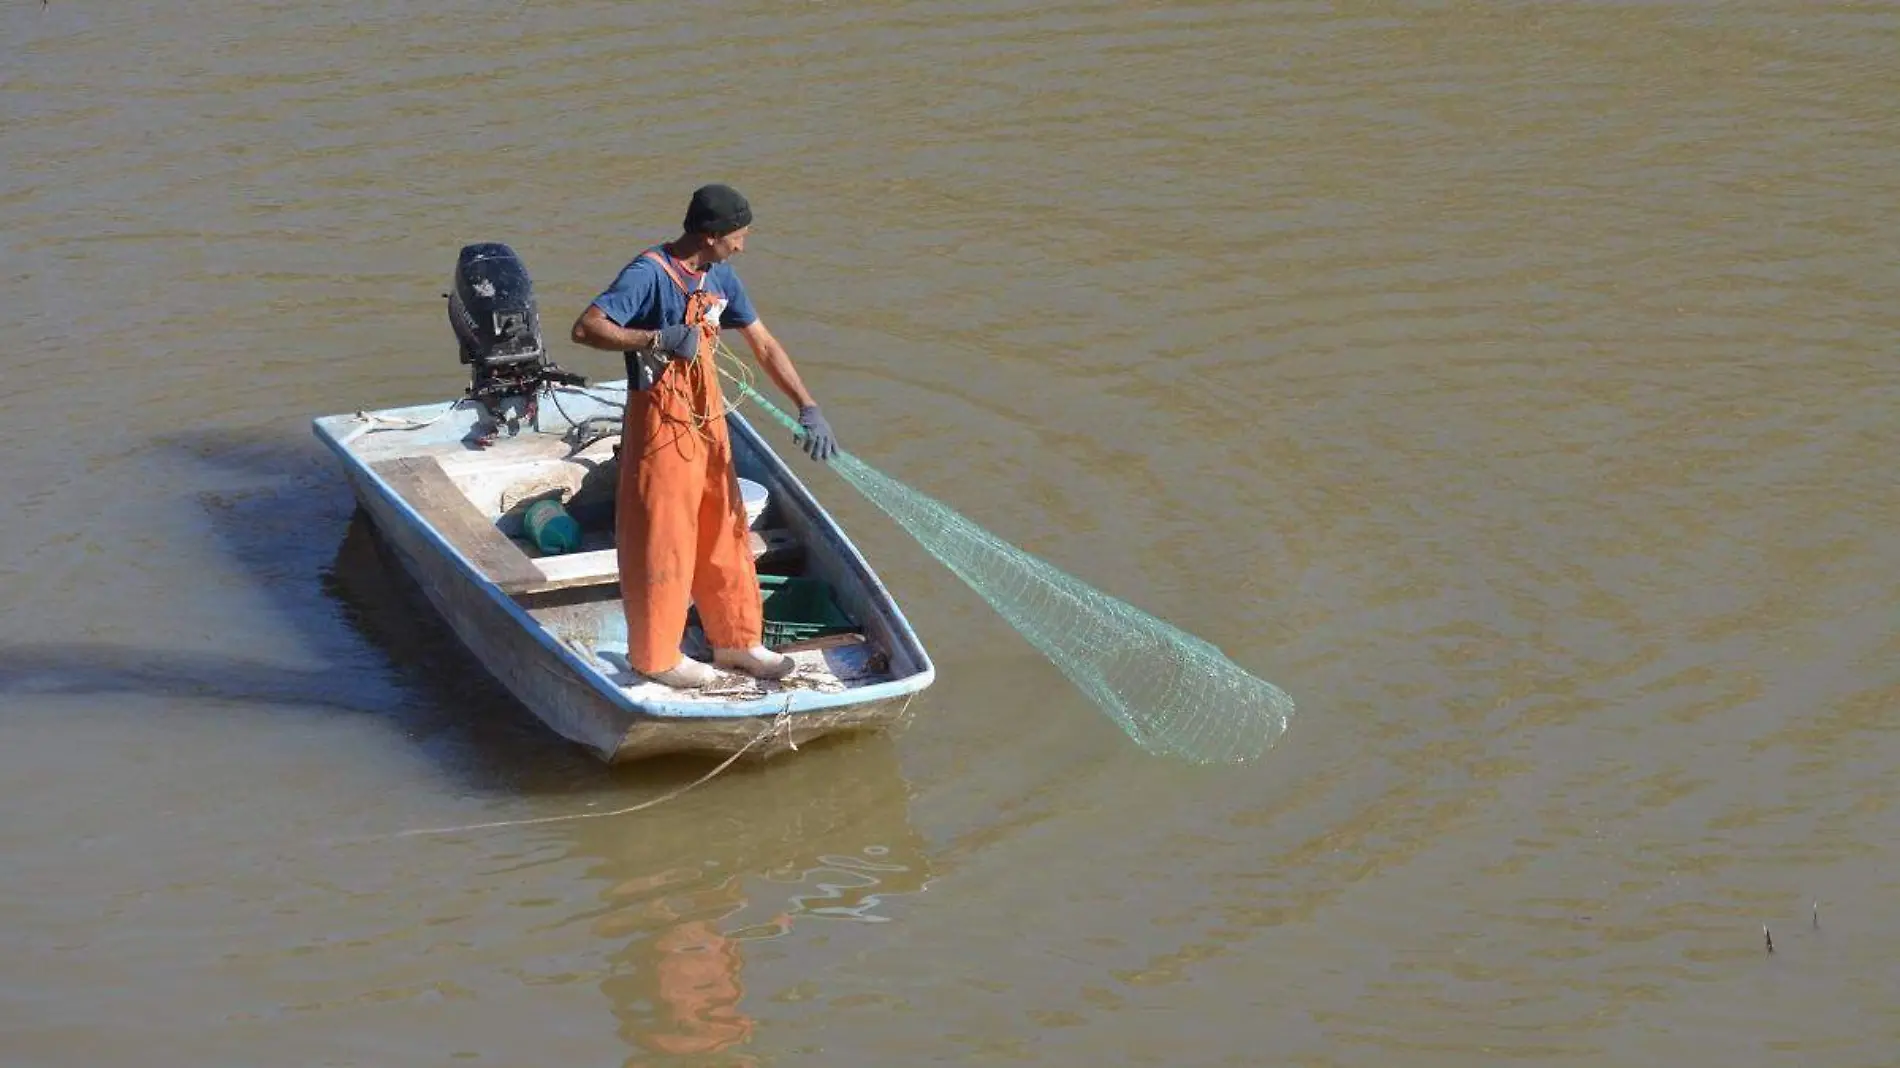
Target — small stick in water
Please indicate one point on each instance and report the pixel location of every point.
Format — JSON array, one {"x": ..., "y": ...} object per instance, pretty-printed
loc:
[
  {"x": 1767, "y": 938},
  {"x": 1817, "y": 915}
]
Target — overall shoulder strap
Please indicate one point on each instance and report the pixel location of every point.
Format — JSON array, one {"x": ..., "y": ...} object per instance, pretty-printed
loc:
[{"x": 672, "y": 272}]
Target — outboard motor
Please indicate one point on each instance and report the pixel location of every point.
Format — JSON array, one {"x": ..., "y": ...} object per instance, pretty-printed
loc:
[{"x": 492, "y": 310}]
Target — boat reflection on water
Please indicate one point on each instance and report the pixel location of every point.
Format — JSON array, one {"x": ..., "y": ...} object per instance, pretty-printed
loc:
[{"x": 764, "y": 856}]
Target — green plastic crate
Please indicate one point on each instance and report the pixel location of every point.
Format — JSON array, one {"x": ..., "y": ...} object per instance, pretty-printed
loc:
[{"x": 798, "y": 608}]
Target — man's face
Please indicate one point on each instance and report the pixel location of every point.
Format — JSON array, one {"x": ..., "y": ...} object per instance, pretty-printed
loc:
[{"x": 727, "y": 246}]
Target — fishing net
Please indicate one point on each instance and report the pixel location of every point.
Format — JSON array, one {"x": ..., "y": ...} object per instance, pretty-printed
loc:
[{"x": 1171, "y": 692}]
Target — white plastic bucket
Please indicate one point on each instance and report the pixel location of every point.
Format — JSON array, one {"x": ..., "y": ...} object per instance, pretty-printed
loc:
[{"x": 755, "y": 498}]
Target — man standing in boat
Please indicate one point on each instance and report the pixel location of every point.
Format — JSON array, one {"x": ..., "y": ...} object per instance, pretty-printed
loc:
[{"x": 679, "y": 521}]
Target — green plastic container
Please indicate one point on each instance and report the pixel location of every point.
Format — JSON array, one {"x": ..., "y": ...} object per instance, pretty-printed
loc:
[
  {"x": 550, "y": 528},
  {"x": 798, "y": 608}
]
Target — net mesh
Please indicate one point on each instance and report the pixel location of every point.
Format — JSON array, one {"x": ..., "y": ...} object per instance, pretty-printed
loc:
[{"x": 1172, "y": 693}]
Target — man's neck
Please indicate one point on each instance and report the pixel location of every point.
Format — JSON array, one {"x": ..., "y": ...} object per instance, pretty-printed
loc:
[{"x": 689, "y": 256}]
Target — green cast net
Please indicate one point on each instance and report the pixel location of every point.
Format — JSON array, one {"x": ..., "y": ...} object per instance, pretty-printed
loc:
[{"x": 1171, "y": 692}]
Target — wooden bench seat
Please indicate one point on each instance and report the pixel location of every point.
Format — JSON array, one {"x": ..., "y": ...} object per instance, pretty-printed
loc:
[
  {"x": 602, "y": 567},
  {"x": 597, "y": 568},
  {"x": 421, "y": 481}
]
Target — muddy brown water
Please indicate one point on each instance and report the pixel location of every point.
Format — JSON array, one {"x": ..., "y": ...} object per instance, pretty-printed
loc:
[{"x": 1512, "y": 383}]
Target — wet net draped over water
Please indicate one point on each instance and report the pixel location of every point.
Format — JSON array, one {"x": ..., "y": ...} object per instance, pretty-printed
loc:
[{"x": 1171, "y": 692}]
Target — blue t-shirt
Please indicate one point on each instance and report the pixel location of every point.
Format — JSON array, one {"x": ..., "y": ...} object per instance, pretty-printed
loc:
[{"x": 643, "y": 296}]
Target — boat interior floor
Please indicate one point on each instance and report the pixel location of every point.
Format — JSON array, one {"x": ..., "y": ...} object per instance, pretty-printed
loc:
[{"x": 598, "y": 633}]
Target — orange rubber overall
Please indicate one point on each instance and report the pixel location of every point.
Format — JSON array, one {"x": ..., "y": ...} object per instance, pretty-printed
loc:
[{"x": 680, "y": 523}]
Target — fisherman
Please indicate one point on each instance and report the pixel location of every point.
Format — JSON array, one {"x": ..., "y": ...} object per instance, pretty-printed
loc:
[{"x": 679, "y": 521}]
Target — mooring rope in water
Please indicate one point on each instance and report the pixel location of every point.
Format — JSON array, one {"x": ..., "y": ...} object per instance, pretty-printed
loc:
[{"x": 780, "y": 721}]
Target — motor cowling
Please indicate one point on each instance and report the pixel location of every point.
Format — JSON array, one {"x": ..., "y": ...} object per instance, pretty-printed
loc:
[
  {"x": 492, "y": 308},
  {"x": 498, "y": 326}
]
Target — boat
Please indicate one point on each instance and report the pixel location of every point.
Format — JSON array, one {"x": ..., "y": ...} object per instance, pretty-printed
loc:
[{"x": 449, "y": 486}]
